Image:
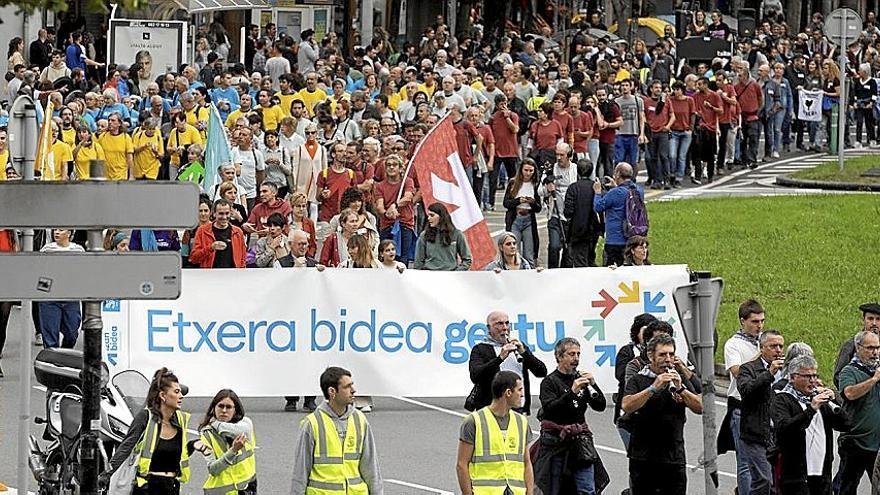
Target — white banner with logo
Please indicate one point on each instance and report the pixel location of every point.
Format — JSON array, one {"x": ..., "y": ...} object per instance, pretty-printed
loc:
[
  {"x": 272, "y": 332},
  {"x": 810, "y": 105}
]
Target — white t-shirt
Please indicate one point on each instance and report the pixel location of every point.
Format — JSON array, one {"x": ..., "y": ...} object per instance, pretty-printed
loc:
[
  {"x": 251, "y": 161},
  {"x": 53, "y": 247},
  {"x": 736, "y": 352}
]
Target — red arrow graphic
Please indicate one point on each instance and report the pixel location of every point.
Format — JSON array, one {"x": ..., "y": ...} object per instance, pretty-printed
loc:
[{"x": 606, "y": 302}]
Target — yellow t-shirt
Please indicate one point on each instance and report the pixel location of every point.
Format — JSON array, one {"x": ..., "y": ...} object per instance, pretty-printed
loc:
[
  {"x": 478, "y": 85},
  {"x": 84, "y": 157},
  {"x": 393, "y": 101},
  {"x": 230, "y": 120},
  {"x": 429, "y": 90},
  {"x": 334, "y": 102},
  {"x": 69, "y": 137},
  {"x": 4, "y": 159},
  {"x": 195, "y": 115},
  {"x": 285, "y": 101},
  {"x": 311, "y": 99},
  {"x": 116, "y": 149},
  {"x": 61, "y": 156},
  {"x": 145, "y": 163},
  {"x": 272, "y": 117},
  {"x": 177, "y": 139}
]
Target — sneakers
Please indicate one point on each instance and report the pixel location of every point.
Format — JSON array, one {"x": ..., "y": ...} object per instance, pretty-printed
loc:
[
  {"x": 366, "y": 408},
  {"x": 1, "y": 373},
  {"x": 290, "y": 406},
  {"x": 310, "y": 405},
  {"x": 38, "y": 340},
  {"x": 775, "y": 154},
  {"x": 696, "y": 181}
]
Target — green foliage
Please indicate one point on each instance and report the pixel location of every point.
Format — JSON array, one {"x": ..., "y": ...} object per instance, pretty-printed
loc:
[
  {"x": 96, "y": 6},
  {"x": 810, "y": 260},
  {"x": 852, "y": 171}
]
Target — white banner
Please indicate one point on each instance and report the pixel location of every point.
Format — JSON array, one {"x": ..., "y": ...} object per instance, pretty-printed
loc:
[
  {"x": 272, "y": 332},
  {"x": 158, "y": 45},
  {"x": 810, "y": 106}
]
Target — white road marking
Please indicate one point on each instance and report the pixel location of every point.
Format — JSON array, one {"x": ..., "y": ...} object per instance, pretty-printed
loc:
[
  {"x": 600, "y": 447},
  {"x": 419, "y": 487}
]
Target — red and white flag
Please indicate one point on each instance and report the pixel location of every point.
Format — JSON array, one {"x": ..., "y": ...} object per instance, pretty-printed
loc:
[{"x": 442, "y": 178}]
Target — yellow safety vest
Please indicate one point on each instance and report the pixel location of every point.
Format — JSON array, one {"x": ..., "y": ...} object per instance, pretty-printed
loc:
[
  {"x": 498, "y": 463},
  {"x": 239, "y": 474},
  {"x": 147, "y": 444},
  {"x": 335, "y": 465}
]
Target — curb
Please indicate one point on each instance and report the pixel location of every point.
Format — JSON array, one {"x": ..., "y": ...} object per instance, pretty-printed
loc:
[{"x": 787, "y": 181}]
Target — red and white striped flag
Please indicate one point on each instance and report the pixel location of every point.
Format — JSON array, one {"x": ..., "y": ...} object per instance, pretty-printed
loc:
[{"x": 442, "y": 178}]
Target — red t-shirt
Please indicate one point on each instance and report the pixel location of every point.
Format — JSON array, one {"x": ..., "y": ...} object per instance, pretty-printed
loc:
[
  {"x": 506, "y": 145},
  {"x": 260, "y": 214},
  {"x": 683, "y": 109},
  {"x": 465, "y": 134},
  {"x": 582, "y": 122},
  {"x": 708, "y": 117},
  {"x": 545, "y": 136},
  {"x": 609, "y": 135},
  {"x": 337, "y": 183},
  {"x": 729, "y": 108},
  {"x": 388, "y": 192},
  {"x": 749, "y": 97},
  {"x": 656, "y": 120},
  {"x": 362, "y": 172},
  {"x": 488, "y": 138},
  {"x": 565, "y": 121}
]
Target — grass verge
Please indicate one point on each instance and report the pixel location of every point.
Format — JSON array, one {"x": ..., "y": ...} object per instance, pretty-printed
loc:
[
  {"x": 852, "y": 170},
  {"x": 810, "y": 260}
]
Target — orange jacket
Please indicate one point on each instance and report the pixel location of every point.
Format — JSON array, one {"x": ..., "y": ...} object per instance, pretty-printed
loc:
[{"x": 203, "y": 255}]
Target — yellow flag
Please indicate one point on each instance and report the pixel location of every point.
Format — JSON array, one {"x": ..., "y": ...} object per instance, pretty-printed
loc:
[{"x": 42, "y": 163}]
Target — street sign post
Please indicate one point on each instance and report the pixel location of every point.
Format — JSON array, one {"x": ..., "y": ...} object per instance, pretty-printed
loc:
[
  {"x": 697, "y": 305},
  {"x": 99, "y": 204},
  {"x": 90, "y": 276},
  {"x": 843, "y": 26}
]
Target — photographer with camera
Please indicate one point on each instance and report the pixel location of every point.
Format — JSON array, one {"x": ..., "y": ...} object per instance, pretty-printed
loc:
[
  {"x": 656, "y": 399},
  {"x": 613, "y": 203},
  {"x": 555, "y": 180},
  {"x": 804, "y": 416}
]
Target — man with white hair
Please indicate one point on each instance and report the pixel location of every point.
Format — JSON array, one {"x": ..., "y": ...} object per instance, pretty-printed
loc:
[
  {"x": 450, "y": 96},
  {"x": 553, "y": 191},
  {"x": 441, "y": 67},
  {"x": 864, "y": 94}
]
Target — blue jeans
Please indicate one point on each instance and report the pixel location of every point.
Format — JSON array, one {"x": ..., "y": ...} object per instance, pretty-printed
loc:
[
  {"x": 679, "y": 143},
  {"x": 522, "y": 229},
  {"x": 773, "y": 132},
  {"x": 626, "y": 149},
  {"x": 759, "y": 468},
  {"x": 743, "y": 477},
  {"x": 624, "y": 437},
  {"x": 59, "y": 318},
  {"x": 584, "y": 481}
]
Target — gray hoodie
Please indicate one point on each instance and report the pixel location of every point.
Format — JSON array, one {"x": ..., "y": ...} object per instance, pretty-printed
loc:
[{"x": 305, "y": 448}]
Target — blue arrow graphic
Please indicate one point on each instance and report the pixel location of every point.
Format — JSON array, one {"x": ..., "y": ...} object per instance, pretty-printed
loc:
[
  {"x": 112, "y": 358},
  {"x": 652, "y": 304},
  {"x": 594, "y": 328},
  {"x": 671, "y": 320},
  {"x": 607, "y": 353}
]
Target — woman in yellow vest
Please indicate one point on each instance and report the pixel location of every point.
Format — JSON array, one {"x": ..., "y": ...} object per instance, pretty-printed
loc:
[
  {"x": 158, "y": 435},
  {"x": 86, "y": 150},
  {"x": 228, "y": 440}
]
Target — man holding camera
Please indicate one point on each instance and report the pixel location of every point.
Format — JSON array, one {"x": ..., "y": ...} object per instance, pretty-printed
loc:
[
  {"x": 554, "y": 184},
  {"x": 656, "y": 399},
  {"x": 804, "y": 417},
  {"x": 613, "y": 203},
  {"x": 754, "y": 382}
]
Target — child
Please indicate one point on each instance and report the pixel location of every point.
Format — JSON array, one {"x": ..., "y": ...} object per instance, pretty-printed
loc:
[{"x": 194, "y": 170}]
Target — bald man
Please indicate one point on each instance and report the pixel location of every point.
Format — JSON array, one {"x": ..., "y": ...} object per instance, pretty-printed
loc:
[{"x": 498, "y": 351}]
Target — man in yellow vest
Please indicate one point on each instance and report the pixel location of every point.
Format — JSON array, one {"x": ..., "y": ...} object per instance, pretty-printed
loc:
[
  {"x": 493, "y": 444},
  {"x": 336, "y": 453}
]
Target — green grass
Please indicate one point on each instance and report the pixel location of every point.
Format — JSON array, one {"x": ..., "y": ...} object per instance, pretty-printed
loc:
[
  {"x": 809, "y": 260},
  {"x": 852, "y": 170}
]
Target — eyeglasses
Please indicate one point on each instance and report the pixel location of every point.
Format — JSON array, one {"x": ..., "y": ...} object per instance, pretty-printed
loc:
[
  {"x": 309, "y": 133},
  {"x": 870, "y": 347},
  {"x": 811, "y": 376}
]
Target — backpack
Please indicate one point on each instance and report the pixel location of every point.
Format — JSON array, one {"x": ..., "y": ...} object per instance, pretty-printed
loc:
[{"x": 636, "y": 222}]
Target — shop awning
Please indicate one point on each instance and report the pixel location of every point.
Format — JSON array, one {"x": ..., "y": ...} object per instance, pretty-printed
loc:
[{"x": 201, "y": 6}]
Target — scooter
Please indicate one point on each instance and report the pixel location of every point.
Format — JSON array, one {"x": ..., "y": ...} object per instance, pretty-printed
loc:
[{"x": 56, "y": 467}]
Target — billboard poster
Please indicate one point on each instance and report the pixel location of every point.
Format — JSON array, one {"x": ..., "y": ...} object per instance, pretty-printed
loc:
[{"x": 158, "y": 46}]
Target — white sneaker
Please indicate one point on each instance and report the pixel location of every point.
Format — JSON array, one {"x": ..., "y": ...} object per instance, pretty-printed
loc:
[{"x": 775, "y": 154}]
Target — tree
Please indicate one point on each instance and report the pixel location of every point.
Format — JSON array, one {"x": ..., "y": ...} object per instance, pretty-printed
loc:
[{"x": 96, "y": 6}]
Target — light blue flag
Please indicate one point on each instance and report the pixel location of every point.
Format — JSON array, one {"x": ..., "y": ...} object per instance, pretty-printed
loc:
[{"x": 217, "y": 149}]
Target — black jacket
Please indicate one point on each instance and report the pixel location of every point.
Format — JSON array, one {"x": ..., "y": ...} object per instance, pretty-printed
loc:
[
  {"x": 754, "y": 383},
  {"x": 583, "y": 221},
  {"x": 135, "y": 432},
  {"x": 791, "y": 422},
  {"x": 484, "y": 364}
]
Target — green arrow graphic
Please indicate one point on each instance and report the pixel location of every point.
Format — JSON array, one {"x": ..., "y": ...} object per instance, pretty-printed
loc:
[{"x": 594, "y": 328}]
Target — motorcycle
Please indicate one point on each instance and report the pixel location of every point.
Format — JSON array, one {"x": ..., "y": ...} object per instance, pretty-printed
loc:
[{"x": 56, "y": 466}]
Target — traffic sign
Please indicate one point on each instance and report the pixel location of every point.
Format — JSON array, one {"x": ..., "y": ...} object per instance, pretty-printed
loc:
[
  {"x": 697, "y": 310},
  {"x": 89, "y": 276},
  {"x": 843, "y": 26},
  {"x": 99, "y": 204}
]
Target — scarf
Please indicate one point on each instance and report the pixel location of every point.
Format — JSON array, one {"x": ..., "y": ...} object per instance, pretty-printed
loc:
[
  {"x": 748, "y": 338},
  {"x": 565, "y": 430},
  {"x": 858, "y": 363},
  {"x": 802, "y": 398},
  {"x": 647, "y": 371}
]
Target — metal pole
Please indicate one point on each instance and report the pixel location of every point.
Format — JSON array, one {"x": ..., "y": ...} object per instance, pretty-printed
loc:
[
  {"x": 29, "y": 137},
  {"x": 91, "y": 375},
  {"x": 705, "y": 347},
  {"x": 841, "y": 114}
]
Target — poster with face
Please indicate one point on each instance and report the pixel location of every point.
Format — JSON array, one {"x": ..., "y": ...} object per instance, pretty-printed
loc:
[{"x": 156, "y": 47}]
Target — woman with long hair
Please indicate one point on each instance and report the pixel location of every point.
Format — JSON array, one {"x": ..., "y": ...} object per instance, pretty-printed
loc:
[
  {"x": 227, "y": 439},
  {"x": 299, "y": 220},
  {"x": 441, "y": 246},
  {"x": 521, "y": 201},
  {"x": 353, "y": 198},
  {"x": 14, "y": 56},
  {"x": 831, "y": 89},
  {"x": 86, "y": 150},
  {"x": 544, "y": 133},
  {"x": 164, "y": 459},
  {"x": 636, "y": 251},
  {"x": 814, "y": 82},
  {"x": 508, "y": 257},
  {"x": 335, "y": 249},
  {"x": 360, "y": 254}
]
